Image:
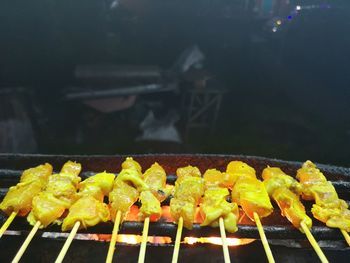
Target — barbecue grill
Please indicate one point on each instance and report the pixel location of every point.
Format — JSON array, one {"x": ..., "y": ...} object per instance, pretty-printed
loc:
[{"x": 287, "y": 243}]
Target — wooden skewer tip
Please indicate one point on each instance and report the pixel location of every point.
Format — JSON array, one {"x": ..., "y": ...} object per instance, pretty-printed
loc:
[
  {"x": 144, "y": 241},
  {"x": 69, "y": 240},
  {"x": 7, "y": 223},
  {"x": 314, "y": 243},
  {"x": 26, "y": 242},
  {"x": 263, "y": 238},
  {"x": 177, "y": 240},
  {"x": 114, "y": 237},
  {"x": 224, "y": 241}
]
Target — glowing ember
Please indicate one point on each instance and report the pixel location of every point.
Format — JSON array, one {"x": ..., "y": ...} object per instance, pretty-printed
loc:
[
  {"x": 129, "y": 239},
  {"x": 218, "y": 241},
  {"x": 136, "y": 239}
]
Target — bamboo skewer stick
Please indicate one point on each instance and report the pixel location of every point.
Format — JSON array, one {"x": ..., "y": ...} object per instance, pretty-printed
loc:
[
  {"x": 26, "y": 242},
  {"x": 7, "y": 223},
  {"x": 224, "y": 241},
  {"x": 144, "y": 241},
  {"x": 69, "y": 240},
  {"x": 177, "y": 240},
  {"x": 114, "y": 237},
  {"x": 346, "y": 236},
  {"x": 313, "y": 243},
  {"x": 263, "y": 238}
]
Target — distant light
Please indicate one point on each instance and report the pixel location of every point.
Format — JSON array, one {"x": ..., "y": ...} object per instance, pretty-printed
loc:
[
  {"x": 274, "y": 29},
  {"x": 290, "y": 17},
  {"x": 279, "y": 22},
  {"x": 298, "y": 7}
]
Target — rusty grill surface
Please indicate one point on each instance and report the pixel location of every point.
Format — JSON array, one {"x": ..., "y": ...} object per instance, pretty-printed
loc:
[{"x": 278, "y": 230}]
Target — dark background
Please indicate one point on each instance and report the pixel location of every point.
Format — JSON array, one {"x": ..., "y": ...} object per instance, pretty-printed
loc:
[{"x": 288, "y": 91}]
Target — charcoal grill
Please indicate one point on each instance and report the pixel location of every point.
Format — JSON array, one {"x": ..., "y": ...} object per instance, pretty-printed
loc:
[{"x": 287, "y": 243}]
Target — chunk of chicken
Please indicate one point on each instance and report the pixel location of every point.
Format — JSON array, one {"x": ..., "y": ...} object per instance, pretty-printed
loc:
[
  {"x": 59, "y": 195},
  {"x": 19, "y": 197},
  {"x": 328, "y": 207},
  {"x": 88, "y": 211},
  {"x": 214, "y": 206},
  {"x": 251, "y": 195},
  {"x": 150, "y": 206}
]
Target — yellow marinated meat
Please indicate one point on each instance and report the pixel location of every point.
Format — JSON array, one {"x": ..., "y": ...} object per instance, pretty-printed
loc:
[
  {"x": 214, "y": 206},
  {"x": 275, "y": 178},
  {"x": 132, "y": 177},
  {"x": 88, "y": 211},
  {"x": 291, "y": 207},
  {"x": 236, "y": 170},
  {"x": 325, "y": 195},
  {"x": 213, "y": 178},
  {"x": 230, "y": 222},
  {"x": 39, "y": 173},
  {"x": 188, "y": 190},
  {"x": 47, "y": 209},
  {"x": 150, "y": 206},
  {"x": 248, "y": 192},
  {"x": 19, "y": 197},
  {"x": 92, "y": 190},
  {"x": 122, "y": 197},
  {"x": 285, "y": 190},
  {"x": 98, "y": 186},
  {"x": 332, "y": 217},
  {"x": 130, "y": 163},
  {"x": 72, "y": 169},
  {"x": 126, "y": 189},
  {"x": 63, "y": 186},
  {"x": 155, "y": 178},
  {"x": 308, "y": 176},
  {"x": 185, "y": 209},
  {"x": 58, "y": 196},
  {"x": 188, "y": 171},
  {"x": 251, "y": 195},
  {"x": 328, "y": 208}
]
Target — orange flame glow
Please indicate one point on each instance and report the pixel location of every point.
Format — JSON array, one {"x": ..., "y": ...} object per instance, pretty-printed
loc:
[
  {"x": 159, "y": 240},
  {"x": 135, "y": 239},
  {"x": 218, "y": 241}
]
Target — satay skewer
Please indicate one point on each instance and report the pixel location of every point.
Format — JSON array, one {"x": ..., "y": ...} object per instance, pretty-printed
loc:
[
  {"x": 177, "y": 240},
  {"x": 89, "y": 205},
  {"x": 144, "y": 241},
  {"x": 68, "y": 242},
  {"x": 26, "y": 242},
  {"x": 18, "y": 199},
  {"x": 285, "y": 191},
  {"x": 224, "y": 241},
  {"x": 263, "y": 238},
  {"x": 312, "y": 180},
  {"x": 251, "y": 194},
  {"x": 130, "y": 173},
  {"x": 113, "y": 237},
  {"x": 68, "y": 167},
  {"x": 7, "y": 223},
  {"x": 156, "y": 192}
]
